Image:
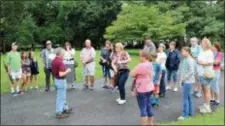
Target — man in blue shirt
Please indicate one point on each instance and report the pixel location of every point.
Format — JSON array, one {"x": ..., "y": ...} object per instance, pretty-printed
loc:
[{"x": 172, "y": 64}]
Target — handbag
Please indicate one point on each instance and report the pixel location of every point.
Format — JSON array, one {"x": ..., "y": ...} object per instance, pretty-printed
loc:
[{"x": 209, "y": 73}]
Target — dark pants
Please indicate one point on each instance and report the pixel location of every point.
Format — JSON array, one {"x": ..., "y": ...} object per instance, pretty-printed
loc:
[
  {"x": 122, "y": 78},
  {"x": 144, "y": 103},
  {"x": 48, "y": 72},
  {"x": 163, "y": 83}
]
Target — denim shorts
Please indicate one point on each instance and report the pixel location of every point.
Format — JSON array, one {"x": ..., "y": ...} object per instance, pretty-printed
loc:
[
  {"x": 144, "y": 103},
  {"x": 172, "y": 75},
  {"x": 204, "y": 81},
  {"x": 215, "y": 82}
]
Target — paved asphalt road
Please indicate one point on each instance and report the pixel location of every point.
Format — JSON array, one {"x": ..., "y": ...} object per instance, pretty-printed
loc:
[{"x": 90, "y": 108}]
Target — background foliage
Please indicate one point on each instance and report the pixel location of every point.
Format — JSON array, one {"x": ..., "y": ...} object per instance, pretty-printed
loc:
[{"x": 33, "y": 22}]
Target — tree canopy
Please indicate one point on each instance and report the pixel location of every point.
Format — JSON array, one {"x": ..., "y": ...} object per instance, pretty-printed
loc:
[{"x": 33, "y": 22}]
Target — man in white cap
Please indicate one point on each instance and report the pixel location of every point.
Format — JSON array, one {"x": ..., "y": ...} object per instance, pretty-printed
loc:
[{"x": 48, "y": 55}]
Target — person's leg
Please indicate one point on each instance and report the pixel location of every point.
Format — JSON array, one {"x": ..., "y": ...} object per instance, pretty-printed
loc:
[
  {"x": 216, "y": 90},
  {"x": 185, "y": 100},
  {"x": 149, "y": 108},
  {"x": 91, "y": 69},
  {"x": 142, "y": 103},
  {"x": 169, "y": 78},
  {"x": 65, "y": 105},
  {"x": 92, "y": 79},
  {"x": 47, "y": 79},
  {"x": 190, "y": 101},
  {"x": 122, "y": 81},
  {"x": 206, "y": 107},
  {"x": 32, "y": 81},
  {"x": 59, "y": 96},
  {"x": 174, "y": 77},
  {"x": 36, "y": 81},
  {"x": 163, "y": 84}
]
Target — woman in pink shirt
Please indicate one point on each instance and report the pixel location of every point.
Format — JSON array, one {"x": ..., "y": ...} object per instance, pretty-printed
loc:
[
  {"x": 216, "y": 67},
  {"x": 143, "y": 87}
]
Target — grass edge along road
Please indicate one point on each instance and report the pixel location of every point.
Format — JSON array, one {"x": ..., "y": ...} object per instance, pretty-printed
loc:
[
  {"x": 134, "y": 53},
  {"x": 215, "y": 118}
]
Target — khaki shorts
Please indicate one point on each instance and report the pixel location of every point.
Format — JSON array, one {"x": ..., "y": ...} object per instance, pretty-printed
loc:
[{"x": 89, "y": 69}]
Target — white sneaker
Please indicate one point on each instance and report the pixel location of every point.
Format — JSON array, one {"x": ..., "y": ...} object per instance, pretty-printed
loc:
[
  {"x": 121, "y": 102},
  {"x": 36, "y": 87},
  {"x": 205, "y": 110},
  {"x": 118, "y": 99},
  {"x": 202, "y": 106},
  {"x": 175, "y": 89},
  {"x": 31, "y": 87},
  {"x": 181, "y": 118},
  {"x": 168, "y": 88}
]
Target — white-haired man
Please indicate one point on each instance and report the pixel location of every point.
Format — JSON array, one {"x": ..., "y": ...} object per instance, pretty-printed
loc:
[
  {"x": 195, "y": 50},
  {"x": 87, "y": 57},
  {"x": 59, "y": 72}
]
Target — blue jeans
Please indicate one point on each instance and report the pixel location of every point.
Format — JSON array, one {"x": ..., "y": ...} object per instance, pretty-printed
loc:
[
  {"x": 172, "y": 75},
  {"x": 215, "y": 84},
  {"x": 162, "y": 89},
  {"x": 144, "y": 103},
  {"x": 188, "y": 107},
  {"x": 61, "y": 104},
  {"x": 121, "y": 84}
]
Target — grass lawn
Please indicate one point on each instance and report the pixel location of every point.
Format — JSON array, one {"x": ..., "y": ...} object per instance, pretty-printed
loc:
[
  {"x": 216, "y": 118},
  {"x": 5, "y": 80}
]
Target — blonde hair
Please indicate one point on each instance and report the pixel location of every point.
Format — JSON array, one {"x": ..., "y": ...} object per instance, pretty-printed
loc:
[
  {"x": 120, "y": 45},
  {"x": 208, "y": 42}
]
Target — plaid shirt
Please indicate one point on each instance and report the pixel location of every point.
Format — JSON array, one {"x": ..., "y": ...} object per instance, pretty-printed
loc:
[
  {"x": 47, "y": 56},
  {"x": 121, "y": 57}
]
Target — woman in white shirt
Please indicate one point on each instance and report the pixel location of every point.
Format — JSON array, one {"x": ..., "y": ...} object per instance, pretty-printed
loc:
[
  {"x": 69, "y": 62},
  {"x": 161, "y": 58},
  {"x": 205, "y": 66}
]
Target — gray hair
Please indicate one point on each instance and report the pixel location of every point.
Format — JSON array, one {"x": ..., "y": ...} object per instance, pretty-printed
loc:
[
  {"x": 194, "y": 39},
  {"x": 59, "y": 51}
]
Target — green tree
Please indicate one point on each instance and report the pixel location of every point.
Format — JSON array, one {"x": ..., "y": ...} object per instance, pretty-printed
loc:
[{"x": 137, "y": 21}]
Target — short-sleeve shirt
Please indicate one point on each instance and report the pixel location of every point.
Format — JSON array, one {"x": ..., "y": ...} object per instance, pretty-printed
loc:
[
  {"x": 87, "y": 54},
  {"x": 206, "y": 57},
  {"x": 58, "y": 66},
  {"x": 161, "y": 58},
  {"x": 14, "y": 61},
  {"x": 157, "y": 70},
  {"x": 218, "y": 57},
  {"x": 144, "y": 77},
  {"x": 121, "y": 57}
]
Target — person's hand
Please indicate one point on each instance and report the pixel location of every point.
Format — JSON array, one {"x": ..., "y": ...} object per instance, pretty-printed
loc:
[
  {"x": 68, "y": 70},
  {"x": 133, "y": 93},
  {"x": 115, "y": 71},
  {"x": 200, "y": 63},
  {"x": 119, "y": 62}
]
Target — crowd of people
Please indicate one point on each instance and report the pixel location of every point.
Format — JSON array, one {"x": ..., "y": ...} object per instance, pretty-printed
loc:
[{"x": 196, "y": 69}]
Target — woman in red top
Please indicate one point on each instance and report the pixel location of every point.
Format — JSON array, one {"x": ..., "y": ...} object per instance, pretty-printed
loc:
[{"x": 216, "y": 66}]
